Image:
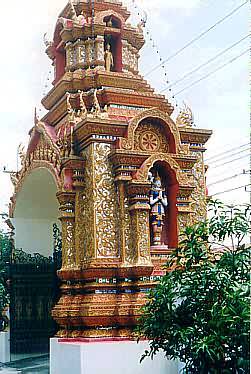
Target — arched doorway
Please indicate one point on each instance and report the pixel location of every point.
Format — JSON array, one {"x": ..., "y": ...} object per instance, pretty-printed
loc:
[
  {"x": 35, "y": 213},
  {"x": 33, "y": 280}
]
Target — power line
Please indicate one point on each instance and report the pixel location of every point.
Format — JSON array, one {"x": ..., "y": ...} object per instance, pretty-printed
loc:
[
  {"x": 231, "y": 155},
  {"x": 230, "y": 150},
  {"x": 229, "y": 162},
  {"x": 212, "y": 72},
  {"x": 224, "y": 172},
  {"x": 233, "y": 189},
  {"x": 196, "y": 39},
  {"x": 205, "y": 64},
  {"x": 244, "y": 172},
  {"x": 143, "y": 21},
  {"x": 225, "y": 146}
]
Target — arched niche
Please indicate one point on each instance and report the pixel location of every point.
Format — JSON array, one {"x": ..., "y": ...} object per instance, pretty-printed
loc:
[
  {"x": 155, "y": 118},
  {"x": 169, "y": 235},
  {"x": 112, "y": 37},
  {"x": 154, "y": 135},
  {"x": 112, "y": 21},
  {"x": 36, "y": 210},
  {"x": 103, "y": 17}
]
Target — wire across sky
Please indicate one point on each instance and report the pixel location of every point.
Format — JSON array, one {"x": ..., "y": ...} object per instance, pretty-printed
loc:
[{"x": 195, "y": 39}]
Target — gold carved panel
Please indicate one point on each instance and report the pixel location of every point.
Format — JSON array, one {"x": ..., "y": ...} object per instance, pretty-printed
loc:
[
  {"x": 130, "y": 252},
  {"x": 199, "y": 198},
  {"x": 85, "y": 218},
  {"x": 144, "y": 237},
  {"x": 68, "y": 253},
  {"x": 150, "y": 137},
  {"x": 140, "y": 236},
  {"x": 105, "y": 203}
]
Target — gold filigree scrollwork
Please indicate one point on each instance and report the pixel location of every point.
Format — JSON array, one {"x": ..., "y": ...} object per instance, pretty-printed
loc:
[
  {"x": 85, "y": 215},
  {"x": 199, "y": 199},
  {"x": 67, "y": 218},
  {"x": 106, "y": 203},
  {"x": 68, "y": 243},
  {"x": 142, "y": 173},
  {"x": 140, "y": 236},
  {"x": 130, "y": 252},
  {"x": 144, "y": 237}
]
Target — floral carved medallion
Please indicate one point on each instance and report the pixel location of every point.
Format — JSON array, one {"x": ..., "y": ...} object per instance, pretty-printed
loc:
[{"x": 149, "y": 141}]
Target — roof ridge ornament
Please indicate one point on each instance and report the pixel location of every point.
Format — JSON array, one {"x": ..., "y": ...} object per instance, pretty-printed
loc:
[
  {"x": 74, "y": 21},
  {"x": 185, "y": 117}
]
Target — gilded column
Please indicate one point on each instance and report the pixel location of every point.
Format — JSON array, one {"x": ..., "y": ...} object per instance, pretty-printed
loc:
[
  {"x": 88, "y": 52},
  {"x": 86, "y": 224},
  {"x": 140, "y": 227},
  {"x": 78, "y": 183},
  {"x": 81, "y": 54},
  {"x": 140, "y": 233},
  {"x": 122, "y": 219},
  {"x": 99, "y": 51},
  {"x": 67, "y": 218},
  {"x": 70, "y": 56}
]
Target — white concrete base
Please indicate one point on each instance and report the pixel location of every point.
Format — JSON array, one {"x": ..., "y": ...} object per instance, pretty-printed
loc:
[
  {"x": 110, "y": 357},
  {"x": 4, "y": 347}
]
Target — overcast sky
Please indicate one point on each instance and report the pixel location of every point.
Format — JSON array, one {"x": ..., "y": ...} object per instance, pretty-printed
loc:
[{"x": 220, "y": 103}]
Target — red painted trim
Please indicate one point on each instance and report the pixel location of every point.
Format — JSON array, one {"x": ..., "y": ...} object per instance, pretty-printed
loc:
[
  {"x": 172, "y": 216},
  {"x": 119, "y": 64},
  {"x": 95, "y": 340},
  {"x": 171, "y": 222},
  {"x": 60, "y": 62},
  {"x": 68, "y": 179}
]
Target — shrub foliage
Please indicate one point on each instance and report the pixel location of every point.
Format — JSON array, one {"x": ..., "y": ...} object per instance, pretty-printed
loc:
[{"x": 199, "y": 312}]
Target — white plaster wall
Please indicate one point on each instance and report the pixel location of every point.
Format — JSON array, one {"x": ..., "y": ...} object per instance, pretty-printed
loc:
[
  {"x": 106, "y": 358},
  {"x": 35, "y": 212},
  {"x": 34, "y": 235}
]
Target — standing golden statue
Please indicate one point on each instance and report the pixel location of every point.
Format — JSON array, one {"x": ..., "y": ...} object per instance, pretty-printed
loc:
[{"x": 109, "y": 61}]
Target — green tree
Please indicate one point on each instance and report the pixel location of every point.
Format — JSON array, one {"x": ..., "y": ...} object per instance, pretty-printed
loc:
[
  {"x": 5, "y": 254},
  {"x": 199, "y": 312}
]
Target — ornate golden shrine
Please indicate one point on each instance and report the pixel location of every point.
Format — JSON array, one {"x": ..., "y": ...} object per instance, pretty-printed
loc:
[{"x": 105, "y": 130}]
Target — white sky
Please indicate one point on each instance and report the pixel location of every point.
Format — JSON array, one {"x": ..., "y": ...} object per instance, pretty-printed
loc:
[{"x": 220, "y": 103}]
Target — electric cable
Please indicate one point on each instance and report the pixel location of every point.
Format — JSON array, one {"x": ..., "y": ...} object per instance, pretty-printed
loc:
[
  {"x": 229, "y": 162},
  {"x": 230, "y": 150},
  {"x": 224, "y": 173},
  {"x": 226, "y": 157},
  {"x": 196, "y": 38},
  {"x": 143, "y": 20},
  {"x": 212, "y": 72},
  {"x": 244, "y": 172},
  {"x": 204, "y": 64},
  {"x": 232, "y": 189}
]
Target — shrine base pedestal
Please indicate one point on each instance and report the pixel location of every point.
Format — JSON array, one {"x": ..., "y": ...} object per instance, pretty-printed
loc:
[
  {"x": 105, "y": 357},
  {"x": 4, "y": 347}
]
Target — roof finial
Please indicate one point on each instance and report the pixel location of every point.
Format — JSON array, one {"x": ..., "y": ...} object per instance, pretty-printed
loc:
[
  {"x": 36, "y": 119},
  {"x": 185, "y": 117}
]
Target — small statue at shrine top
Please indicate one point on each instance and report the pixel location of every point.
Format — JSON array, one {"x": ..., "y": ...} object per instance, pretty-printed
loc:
[
  {"x": 158, "y": 203},
  {"x": 109, "y": 62}
]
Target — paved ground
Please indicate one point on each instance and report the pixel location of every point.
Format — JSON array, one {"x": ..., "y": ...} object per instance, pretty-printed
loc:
[{"x": 38, "y": 365}]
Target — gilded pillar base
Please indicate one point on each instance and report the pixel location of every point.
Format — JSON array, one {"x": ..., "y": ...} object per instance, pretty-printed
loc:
[{"x": 104, "y": 302}]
